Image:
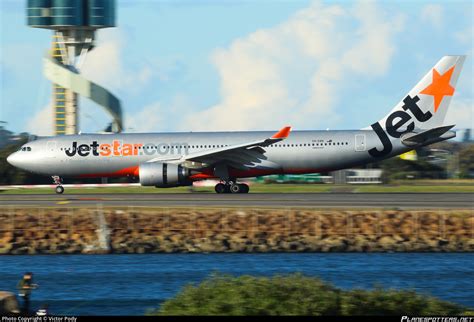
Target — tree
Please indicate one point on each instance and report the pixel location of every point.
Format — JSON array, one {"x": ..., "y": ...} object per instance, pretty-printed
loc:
[
  {"x": 466, "y": 161},
  {"x": 396, "y": 168}
]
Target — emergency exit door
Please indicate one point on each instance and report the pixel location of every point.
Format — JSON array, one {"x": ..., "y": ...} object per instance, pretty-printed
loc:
[
  {"x": 360, "y": 145},
  {"x": 51, "y": 149}
]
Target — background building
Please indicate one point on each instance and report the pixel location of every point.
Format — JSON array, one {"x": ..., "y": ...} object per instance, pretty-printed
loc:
[{"x": 74, "y": 24}]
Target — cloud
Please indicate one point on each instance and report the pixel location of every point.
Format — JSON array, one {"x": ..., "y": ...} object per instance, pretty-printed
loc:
[
  {"x": 461, "y": 113},
  {"x": 105, "y": 65},
  {"x": 465, "y": 36},
  {"x": 432, "y": 13},
  {"x": 42, "y": 122},
  {"x": 294, "y": 72},
  {"x": 148, "y": 119}
]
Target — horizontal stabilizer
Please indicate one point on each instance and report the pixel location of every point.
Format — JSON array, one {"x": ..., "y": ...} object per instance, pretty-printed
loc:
[{"x": 429, "y": 136}]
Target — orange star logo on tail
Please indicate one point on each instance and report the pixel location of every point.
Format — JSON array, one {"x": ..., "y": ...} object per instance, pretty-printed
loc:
[{"x": 440, "y": 87}]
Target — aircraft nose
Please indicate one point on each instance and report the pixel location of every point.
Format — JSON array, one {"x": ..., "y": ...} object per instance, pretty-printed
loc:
[{"x": 13, "y": 159}]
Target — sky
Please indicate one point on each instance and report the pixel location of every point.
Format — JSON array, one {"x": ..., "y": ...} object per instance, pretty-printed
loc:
[{"x": 188, "y": 65}]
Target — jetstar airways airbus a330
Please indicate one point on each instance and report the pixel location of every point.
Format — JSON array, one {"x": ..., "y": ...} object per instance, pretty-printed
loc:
[{"x": 178, "y": 159}]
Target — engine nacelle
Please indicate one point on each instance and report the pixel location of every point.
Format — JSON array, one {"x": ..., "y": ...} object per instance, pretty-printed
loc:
[{"x": 163, "y": 175}]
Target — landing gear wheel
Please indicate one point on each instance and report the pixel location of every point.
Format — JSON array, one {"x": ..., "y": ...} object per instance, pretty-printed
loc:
[
  {"x": 220, "y": 188},
  {"x": 244, "y": 188},
  {"x": 59, "y": 190},
  {"x": 58, "y": 182},
  {"x": 236, "y": 188}
]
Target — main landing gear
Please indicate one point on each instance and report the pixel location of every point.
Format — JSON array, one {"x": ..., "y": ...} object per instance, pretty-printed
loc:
[
  {"x": 231, "y": 187},
  {"x": 58, "y": 182}
]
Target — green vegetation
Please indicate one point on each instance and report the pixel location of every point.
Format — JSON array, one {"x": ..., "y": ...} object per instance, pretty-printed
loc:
[
  {"x": 396, "y": 169},
  {"x": 466, "y": 161},
  {"x": 104, "y": 190},
  {"x": 414, "y": 186},
  {"x": 441, "y": 188},
  {"x": 296, "y": 295},
  {"x": 256, "y": 188}
]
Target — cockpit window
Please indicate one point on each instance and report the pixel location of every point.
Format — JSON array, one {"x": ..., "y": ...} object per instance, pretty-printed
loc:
[{"x": 25, "y": 148}]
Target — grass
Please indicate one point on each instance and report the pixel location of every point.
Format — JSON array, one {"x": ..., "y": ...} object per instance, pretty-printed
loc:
[
  {"x": 416, "y": 188},
  {"x": 105, "y": 190},
  {"x": 460, "y": 182},
  {"x": 255, "y": 188},
  {"x": 403, "y": 187}
]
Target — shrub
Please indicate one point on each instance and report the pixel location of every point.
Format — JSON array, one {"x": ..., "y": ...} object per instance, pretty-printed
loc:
[{"x": 296, "y": 295}]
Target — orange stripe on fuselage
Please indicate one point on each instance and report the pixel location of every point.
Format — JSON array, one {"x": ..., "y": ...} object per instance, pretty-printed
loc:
[
  {"x": 206, "y": 174},
  {"x": 126, "y": 172}
]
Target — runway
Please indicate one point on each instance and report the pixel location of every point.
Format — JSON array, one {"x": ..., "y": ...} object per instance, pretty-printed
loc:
[{"x": 256, "y": 200}]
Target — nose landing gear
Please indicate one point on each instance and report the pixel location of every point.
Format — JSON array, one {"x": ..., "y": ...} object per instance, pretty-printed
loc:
[
  {"x": 58, "y": 182},
  {"x": 59, "y": 190},
  {"x": 231, "y": 187}
]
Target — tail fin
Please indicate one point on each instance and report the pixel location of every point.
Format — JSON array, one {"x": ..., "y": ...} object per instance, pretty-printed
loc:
[{"x": 425, "y": 106}]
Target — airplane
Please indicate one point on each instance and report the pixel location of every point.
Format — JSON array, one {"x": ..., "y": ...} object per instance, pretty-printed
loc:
[{"x": 178, "y": 159}]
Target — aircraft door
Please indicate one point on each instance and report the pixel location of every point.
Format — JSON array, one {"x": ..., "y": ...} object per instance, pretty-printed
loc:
[
  {"x": 51, "y": 149},
  {"x": 360, "y": 145}
]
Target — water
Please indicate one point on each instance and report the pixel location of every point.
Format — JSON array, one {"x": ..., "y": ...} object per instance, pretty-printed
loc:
[{"x": 132, "y": 284}]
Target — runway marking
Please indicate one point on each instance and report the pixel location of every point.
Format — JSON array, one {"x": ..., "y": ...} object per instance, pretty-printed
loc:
[{"x": 65, "y": 202}]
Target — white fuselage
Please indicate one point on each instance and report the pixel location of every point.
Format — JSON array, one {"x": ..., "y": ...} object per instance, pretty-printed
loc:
[{"x": 102, "y": 155}]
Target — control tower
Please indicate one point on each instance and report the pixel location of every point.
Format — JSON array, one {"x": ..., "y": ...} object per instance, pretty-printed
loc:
[{"x": 74, "y": 24}]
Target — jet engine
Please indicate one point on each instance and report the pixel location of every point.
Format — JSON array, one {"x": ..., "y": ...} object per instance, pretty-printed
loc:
[{"x": 163, "y": 175}]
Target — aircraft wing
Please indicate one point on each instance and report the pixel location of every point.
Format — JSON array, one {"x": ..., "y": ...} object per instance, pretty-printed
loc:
[{"x": 239, "y": 156}]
